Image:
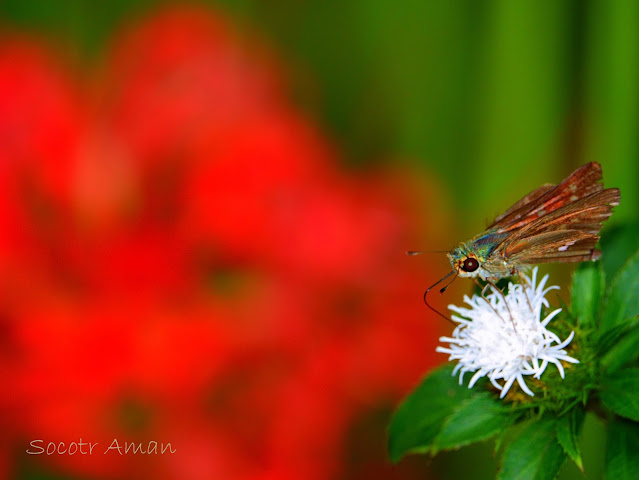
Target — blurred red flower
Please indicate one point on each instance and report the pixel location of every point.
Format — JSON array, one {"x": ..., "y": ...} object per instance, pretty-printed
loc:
[{"x": 184, "y": 261}]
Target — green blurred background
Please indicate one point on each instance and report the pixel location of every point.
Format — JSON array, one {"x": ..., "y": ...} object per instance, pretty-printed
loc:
[{"x": 493, "y": 97}]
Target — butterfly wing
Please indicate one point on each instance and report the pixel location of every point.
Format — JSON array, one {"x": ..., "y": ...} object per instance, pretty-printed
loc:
[
  {"x": 549, "y": 247},
  {"x": 586, "y": 214},
  {"x": 567, "y": 234},
  {"x": 517, "y": 209},
  {"x": 546, "y": 199},
  {"x": 554, "y": 223}
]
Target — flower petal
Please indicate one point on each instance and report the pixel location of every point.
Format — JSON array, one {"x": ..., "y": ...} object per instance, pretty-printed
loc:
[{"x": 502, "y": 335}]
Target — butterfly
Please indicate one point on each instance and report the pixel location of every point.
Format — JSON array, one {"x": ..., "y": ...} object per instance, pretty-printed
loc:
[{"x": 553, "y": 223}]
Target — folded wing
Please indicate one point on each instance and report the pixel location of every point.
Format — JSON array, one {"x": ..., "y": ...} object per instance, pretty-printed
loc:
[
  {"x": 581, "y": 183},
  {"x": 567, "y": 234}
]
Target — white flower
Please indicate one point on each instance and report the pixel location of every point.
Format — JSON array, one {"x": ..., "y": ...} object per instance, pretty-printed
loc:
[{"x": 506, "y": 342}]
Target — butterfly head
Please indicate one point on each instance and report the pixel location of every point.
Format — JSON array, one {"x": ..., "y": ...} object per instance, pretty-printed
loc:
[{"x": 465, "y": 263}]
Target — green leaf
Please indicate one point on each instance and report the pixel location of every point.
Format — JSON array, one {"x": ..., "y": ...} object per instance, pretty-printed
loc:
[
  {"x": 568, "y": 428},
  {"x": 587, "y": 292},
  {"x": 607, "y": 340},
  {"x": 420, "y": 417},
  {"x": 618, "y": 244},
  {"x": 475, "y": 419},
  {"x": 622, "y": 450},
  {"x": 535, "y": 454},
  {"x": 622, "y": 303},
  {"x": 625, "y": 349},
  {"x": 620, "y": 393}
]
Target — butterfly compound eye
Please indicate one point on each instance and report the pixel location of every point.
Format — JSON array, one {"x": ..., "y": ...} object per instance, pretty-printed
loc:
[{"x": 470, "y": 265}]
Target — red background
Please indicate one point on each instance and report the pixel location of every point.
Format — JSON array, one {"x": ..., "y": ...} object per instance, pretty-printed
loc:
[{"x": 185, "y": 259}]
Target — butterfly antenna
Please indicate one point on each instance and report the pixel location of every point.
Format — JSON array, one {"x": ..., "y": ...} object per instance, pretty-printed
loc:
[
  {"x": 412, "y": 253},
  {"x": 442, "y": 290}
]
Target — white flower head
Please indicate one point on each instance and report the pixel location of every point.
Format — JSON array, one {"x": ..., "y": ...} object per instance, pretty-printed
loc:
[{"x": 503, "y": 337}]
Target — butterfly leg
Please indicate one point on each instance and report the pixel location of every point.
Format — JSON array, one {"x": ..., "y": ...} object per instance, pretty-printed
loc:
[
  {"x": 525, "y": 280},
  {"x": 483, "y": 291},
  {"x": 481, "y": 294},
  {"x": 492, "y": 284}
]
